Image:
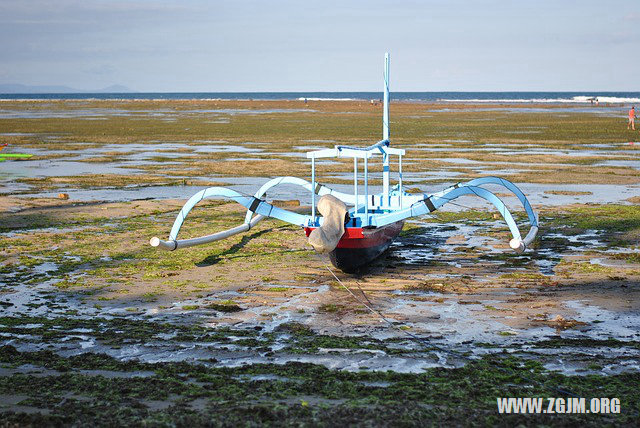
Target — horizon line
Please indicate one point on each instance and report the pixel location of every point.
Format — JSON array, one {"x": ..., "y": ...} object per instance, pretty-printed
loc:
[{"x": 84, "y": 92}]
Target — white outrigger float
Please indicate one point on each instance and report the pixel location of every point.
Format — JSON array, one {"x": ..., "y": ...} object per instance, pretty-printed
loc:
[{"x": 354, "y": 237}]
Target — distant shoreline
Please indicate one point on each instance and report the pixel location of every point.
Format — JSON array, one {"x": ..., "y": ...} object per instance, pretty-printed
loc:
[{"x": 445, "y": 97}]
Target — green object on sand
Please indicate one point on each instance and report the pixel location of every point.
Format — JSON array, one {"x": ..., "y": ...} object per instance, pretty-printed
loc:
[{"x": 5, "y": 156}]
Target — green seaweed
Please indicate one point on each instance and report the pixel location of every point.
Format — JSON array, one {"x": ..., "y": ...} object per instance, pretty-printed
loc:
[{"x": 286, "y": 395}]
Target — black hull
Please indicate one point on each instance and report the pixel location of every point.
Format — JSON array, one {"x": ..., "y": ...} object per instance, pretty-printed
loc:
[{"x": 350, "y": 260}]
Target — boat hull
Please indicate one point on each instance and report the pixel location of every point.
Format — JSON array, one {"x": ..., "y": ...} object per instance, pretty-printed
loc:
[{"x": 360, "y": 246}]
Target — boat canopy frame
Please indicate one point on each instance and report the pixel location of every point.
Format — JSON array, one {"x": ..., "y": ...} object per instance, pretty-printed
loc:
[{"x": 387, "y": 201}]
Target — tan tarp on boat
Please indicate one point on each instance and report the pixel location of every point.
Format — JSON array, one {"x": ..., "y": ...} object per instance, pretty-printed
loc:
[{"x": 324, "y": 239}]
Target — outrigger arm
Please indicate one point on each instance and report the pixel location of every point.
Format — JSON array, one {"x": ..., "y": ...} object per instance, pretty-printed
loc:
[
  {"x": 418, "y": 205},
  {"x": 517, "y": 244},
  {"x": 431, "y": 203},
  {"x": 253, "y": 204}
]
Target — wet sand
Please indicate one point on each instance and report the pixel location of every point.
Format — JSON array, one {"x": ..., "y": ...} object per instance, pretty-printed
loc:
[{"x": 257, "y": 323}]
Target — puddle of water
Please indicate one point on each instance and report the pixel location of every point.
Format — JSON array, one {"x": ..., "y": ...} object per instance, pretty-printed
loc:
[
  {"x": 460, "y": 161},
  {"x": 603, "y": 111},
  {"x": 129, "y": 156},
  {"x": 316, "y": 141},
  {"x": 569, "y": 153},
  {"x": 428, "y": 148},
  {"x": 48, "y": 230},
  {"x": 607, "y": 262},
  {"x": 104, "y": 113},
  {"x": 54, "y": 168},
  {"x": 619, "y": 324},
  {"x": 538, "y": 194},
  {"x": 522, "y": 132},
  {"x": 499, "y": 172},
  {"x": 45, "y": 267},
  {"x": 268, "y": 377},
  {"x": 600, "y": 193},
  {"x": 124, "y": 194},
  {"x": 304, "y": 149},
  {"x": 60, "y": 114},
  {"x": 630, "y": 163},
  {"x": 226, "y": 148},
  {"x": 235, "y": 111}
]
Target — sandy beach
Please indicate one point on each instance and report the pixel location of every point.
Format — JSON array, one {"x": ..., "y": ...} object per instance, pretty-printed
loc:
[{"x": 96, "y": 326}]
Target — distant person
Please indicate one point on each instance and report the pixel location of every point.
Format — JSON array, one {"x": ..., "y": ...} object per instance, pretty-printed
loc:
[{"x": 632, "y": 119}]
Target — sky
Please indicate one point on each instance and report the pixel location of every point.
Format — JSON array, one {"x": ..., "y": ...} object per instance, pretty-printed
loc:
[{"x": 293, "y": 45}]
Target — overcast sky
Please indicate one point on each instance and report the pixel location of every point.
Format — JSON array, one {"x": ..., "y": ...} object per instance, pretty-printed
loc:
[{"x": 271, "y": 45}]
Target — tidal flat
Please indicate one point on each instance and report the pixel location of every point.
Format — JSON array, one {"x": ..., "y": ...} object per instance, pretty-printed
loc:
[{"x": 99, "y": 328}]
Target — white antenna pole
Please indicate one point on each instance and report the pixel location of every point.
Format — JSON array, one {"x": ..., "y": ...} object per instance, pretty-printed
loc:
[
  {"x": 385, "y": 132},
  {"x": 385, "y": 117}
]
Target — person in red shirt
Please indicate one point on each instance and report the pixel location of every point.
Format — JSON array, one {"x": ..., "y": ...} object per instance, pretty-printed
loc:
[{"x": 632, "y": 118}]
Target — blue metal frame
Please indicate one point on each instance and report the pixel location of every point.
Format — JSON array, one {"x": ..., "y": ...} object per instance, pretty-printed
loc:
[
  {"x": 255, "y": 205},
  {"x": 379, "y": 215}
]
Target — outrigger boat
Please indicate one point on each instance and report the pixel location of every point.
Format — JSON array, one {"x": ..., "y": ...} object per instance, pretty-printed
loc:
[{"x": 356, "y": 236}]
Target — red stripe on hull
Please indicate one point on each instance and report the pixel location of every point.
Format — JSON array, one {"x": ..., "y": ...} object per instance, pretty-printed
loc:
[{"x": 358, "y": 237}]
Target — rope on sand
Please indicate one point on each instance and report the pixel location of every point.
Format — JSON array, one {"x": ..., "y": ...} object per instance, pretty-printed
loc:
[{"x": 430, "y": 346}]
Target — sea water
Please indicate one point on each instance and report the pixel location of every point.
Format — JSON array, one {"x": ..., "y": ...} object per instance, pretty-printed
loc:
[{"x": 472, "y": 97}]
